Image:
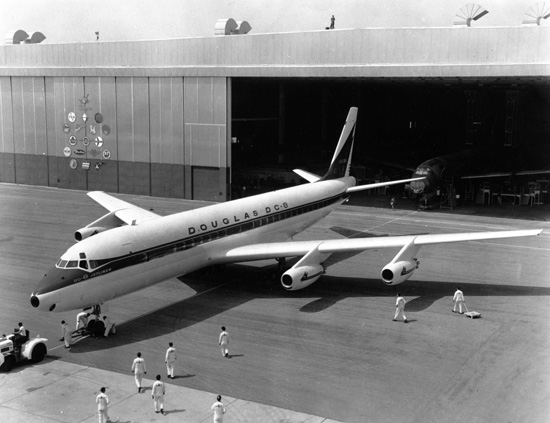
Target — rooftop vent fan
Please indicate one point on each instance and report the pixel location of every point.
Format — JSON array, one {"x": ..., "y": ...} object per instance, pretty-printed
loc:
[
  {"x": 536, "y": 13},
  {"x": 468, "y": 13}
]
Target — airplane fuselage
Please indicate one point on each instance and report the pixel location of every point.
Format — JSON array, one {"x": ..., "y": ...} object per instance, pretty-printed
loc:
[{"x": 132, "y": 257}]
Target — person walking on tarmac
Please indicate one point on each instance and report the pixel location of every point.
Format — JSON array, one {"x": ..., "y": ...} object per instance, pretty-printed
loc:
[
  {"x": 458, "y": 301},
  {"x": 159, "y": 390},
  {"x": 102, "y": 401},
  {"x": 139, "y": 369},
  {"x": 400, "y": 308},
  {"x": 224, "y": 342},
  {"x": 66, "y": 334},
  {"x": 219, "y": 410},
  {"x": 170, "y": 360}
]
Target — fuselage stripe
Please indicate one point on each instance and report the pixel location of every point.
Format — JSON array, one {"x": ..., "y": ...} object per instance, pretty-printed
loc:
[{"x": 133, "y": 258}]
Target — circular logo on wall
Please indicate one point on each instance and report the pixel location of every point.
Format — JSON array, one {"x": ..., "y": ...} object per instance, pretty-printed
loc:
[
  {"x": 67, "y": 151},
  {"x": 73, "y": 163},
  {"x": 86, "y": 141},
  {"x": 72, "y": 117},
  {"x": 106, "y": 154},
  {"x": 98, "y": 117},
  {"x": 72, "y": 140},
  {"x": 99, "y": 141},
  {"x": 66, "y": 128},
  {"x": 106, "y": 129}
]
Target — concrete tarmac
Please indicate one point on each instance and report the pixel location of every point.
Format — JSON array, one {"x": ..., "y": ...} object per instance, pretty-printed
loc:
[{"x": 330, "y": 350}]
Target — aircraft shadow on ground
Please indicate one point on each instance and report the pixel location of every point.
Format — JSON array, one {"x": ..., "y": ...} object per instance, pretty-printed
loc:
[{"x": 247, "y": 283}]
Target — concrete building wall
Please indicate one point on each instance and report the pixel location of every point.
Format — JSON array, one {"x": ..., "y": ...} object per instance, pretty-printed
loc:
[
  {"x": 157, "y": 134},
  {"x": 166, "y": 104}
]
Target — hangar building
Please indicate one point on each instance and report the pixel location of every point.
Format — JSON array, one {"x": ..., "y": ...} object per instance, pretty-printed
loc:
[{"x": 188, "y": 118}]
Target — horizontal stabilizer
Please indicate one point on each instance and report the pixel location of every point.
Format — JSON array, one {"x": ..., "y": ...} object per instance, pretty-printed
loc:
[
  {"x": 308, "y": 176},
  {"x": 127, "y": 212}
]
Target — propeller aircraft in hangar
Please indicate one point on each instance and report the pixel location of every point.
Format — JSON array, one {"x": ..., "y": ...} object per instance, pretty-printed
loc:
[{"x": 130, "y": 248}]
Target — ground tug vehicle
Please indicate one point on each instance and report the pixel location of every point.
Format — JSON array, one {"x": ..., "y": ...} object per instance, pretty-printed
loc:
[{"x": 14, "y": 350}]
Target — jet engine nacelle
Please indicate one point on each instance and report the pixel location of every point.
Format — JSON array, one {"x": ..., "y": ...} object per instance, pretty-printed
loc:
[
  {"x": 300, "y": 277},
  {"x": 87, "y": 232},
  {"x": 399, "y": 272}
]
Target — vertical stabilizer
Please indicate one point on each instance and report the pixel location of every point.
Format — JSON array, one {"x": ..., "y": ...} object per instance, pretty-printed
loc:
[{"x": 341, "y": 161}]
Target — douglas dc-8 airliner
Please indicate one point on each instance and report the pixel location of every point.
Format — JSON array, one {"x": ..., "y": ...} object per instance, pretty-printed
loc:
[{"x": 130, "y": 248}]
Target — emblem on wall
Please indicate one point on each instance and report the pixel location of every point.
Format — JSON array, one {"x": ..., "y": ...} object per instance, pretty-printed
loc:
[{"x": 79, "y": 134}]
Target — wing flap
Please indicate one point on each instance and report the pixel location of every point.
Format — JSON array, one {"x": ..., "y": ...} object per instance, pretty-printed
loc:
[{"x": 127, "y": 212}]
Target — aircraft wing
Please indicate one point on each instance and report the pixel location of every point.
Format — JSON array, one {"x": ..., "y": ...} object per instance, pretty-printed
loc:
[
  {"x": 127, "y": 212},
  {"x": 300, "y": 248}
]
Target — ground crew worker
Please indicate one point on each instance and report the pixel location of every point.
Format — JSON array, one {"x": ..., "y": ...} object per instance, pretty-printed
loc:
[
  {"x": 139, "y": 369},
  {"x": 102, "y": 406},
  {"x": 400, "y": 308},
  {"x": 108, "y": 326},
  {"x": 82, "y": 320},
  {"x": 458, "y": 300},
  {"x": 20, "y": 335},
  {"x": 66, "y": 334},
  {"x": 219, "y": 410},
  {"x": 170, "y": 360},
  {"x": 159, "y": 390},
  {"x": 224, "y": 342}
]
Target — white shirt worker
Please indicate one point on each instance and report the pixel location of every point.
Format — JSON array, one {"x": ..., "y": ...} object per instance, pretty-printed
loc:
[
  {"x": 219, "y": 410},
  {"x": 400, "y": 308},
  {"x": 108, "y": 326},
  {"x": 170, "y": 360},
  {"x": 224, "y": 342},
  {"x": 139, "y": 369},
  {"x": 159, "y": 390},
  {"x": 81, "y": 320},
  {"x": 458, "y": 300},
  {"x": 102, "y": 406},
  {"x": 66, "y": 334}
]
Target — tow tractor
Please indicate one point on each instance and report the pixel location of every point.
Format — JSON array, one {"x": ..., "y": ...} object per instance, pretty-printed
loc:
[{"x": 33, "y": 349}]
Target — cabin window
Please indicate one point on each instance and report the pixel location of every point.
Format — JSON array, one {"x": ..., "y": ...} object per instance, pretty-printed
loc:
[
  {"x": 72, "y": 263},
  {"x": 83, "y": 264}
]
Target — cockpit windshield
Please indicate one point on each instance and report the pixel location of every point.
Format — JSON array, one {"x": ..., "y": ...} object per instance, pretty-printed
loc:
[
  {"x": 81, "y": 264},
  {"x": 72, "y": 264}
]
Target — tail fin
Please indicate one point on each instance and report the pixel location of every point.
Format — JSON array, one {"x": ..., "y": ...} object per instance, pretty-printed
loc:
[{"x": 341, "y": 161}]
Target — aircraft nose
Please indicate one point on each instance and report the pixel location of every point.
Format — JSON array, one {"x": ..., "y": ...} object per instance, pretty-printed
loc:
[{"x": 418, "y": 186}]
